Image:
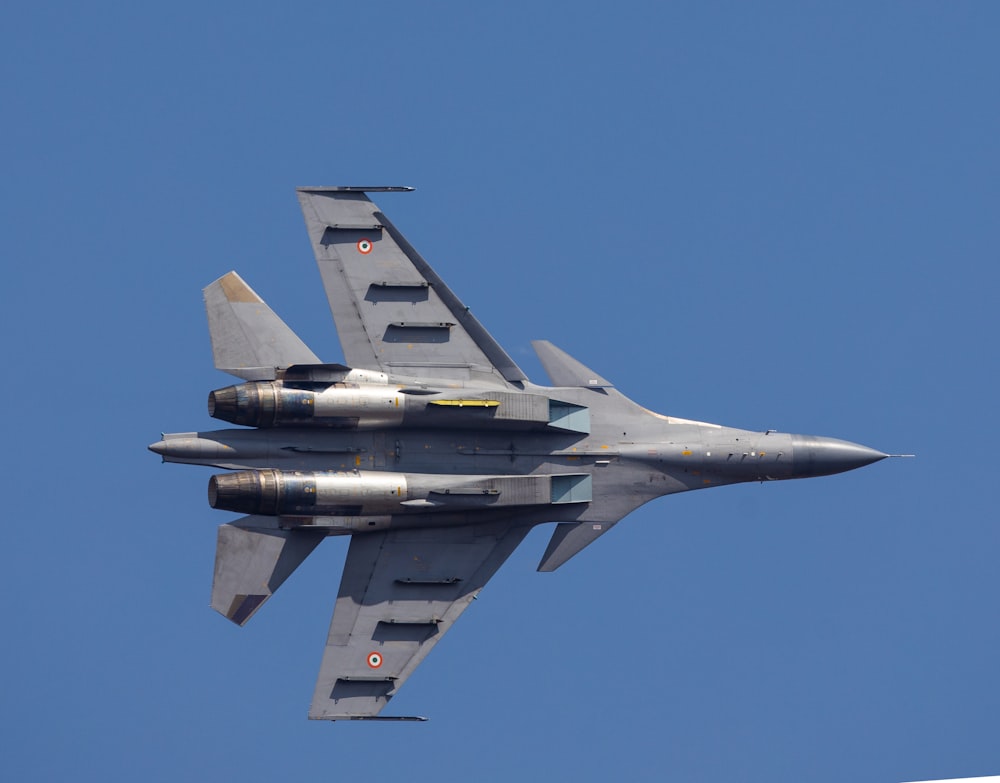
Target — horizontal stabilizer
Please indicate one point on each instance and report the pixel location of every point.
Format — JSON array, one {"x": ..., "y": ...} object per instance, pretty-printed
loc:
[
  {"x": 568, "y": 539},
  {"x": 252, "y": 562},
  {"x": 248, "y": 339},
  {"x": 564, "y": 370}
]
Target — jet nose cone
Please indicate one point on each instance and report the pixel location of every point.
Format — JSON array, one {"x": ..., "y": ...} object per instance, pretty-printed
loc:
[
  {"x": 817, "y": 456},
  {"x": 160, "y": 447}
]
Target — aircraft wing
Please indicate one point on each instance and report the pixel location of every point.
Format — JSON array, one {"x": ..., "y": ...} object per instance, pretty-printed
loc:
[
  {"x": 400, "y": 593},
  {"x": 393, "y": 313}
]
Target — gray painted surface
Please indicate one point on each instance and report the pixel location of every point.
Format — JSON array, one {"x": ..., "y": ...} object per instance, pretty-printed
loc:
[{"x": 432, "y": 450}]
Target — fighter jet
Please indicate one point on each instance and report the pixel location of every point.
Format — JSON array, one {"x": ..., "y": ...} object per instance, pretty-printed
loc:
[{"x": 429, "y": 447}]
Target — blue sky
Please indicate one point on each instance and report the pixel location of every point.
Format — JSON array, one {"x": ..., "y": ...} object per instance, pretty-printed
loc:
[{"x": 768, "y": 215}]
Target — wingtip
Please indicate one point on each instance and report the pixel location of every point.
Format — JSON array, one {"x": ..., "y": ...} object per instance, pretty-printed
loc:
[
  {"x": 355, "y": 189},
  {"x": 372, "y": 718}
]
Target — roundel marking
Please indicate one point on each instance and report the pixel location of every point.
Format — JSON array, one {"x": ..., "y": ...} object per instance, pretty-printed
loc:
[
  {"x": 365, "y": 246},
  {"x": 374, "y": 659}
]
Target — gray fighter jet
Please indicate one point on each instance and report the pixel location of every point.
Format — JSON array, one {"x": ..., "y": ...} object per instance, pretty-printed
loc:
[{"x": 430, "y": 448}]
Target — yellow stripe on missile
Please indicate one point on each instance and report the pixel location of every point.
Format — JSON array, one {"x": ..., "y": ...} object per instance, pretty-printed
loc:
[{"x": 467, "y": 403}]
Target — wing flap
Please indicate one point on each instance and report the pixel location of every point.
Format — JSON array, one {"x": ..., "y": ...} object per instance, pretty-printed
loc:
[{"x": 400, "y": 593}]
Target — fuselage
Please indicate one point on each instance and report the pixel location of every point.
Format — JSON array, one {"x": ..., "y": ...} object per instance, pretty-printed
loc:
[{"x": 357, "y": 452}]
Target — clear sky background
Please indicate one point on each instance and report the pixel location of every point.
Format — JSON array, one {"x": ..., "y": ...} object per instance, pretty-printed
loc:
[{"x": 770, "y": 215}]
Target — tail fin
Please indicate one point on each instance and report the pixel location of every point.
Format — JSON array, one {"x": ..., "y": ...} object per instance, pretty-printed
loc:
[
  {"x": 252, "y": 562},
  {"x": 248, "y": 339}
]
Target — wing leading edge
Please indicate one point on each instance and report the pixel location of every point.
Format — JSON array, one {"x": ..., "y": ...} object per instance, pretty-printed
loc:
[{"x": 393, "y": 313}]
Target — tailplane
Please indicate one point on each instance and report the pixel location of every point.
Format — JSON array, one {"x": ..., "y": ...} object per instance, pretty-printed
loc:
[
  {"x": 248, "y": 339},
  {"x": 252, "y": 562}
]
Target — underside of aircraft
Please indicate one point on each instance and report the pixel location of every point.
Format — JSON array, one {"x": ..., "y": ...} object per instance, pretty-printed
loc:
[{"x": 429, "y": 447}]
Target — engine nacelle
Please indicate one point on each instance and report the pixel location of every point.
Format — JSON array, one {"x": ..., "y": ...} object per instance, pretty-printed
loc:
[
  {"x": 272, "y": 404},
  {"x": 286, "y": 493},
  {"x": 330, "y": 494}
]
